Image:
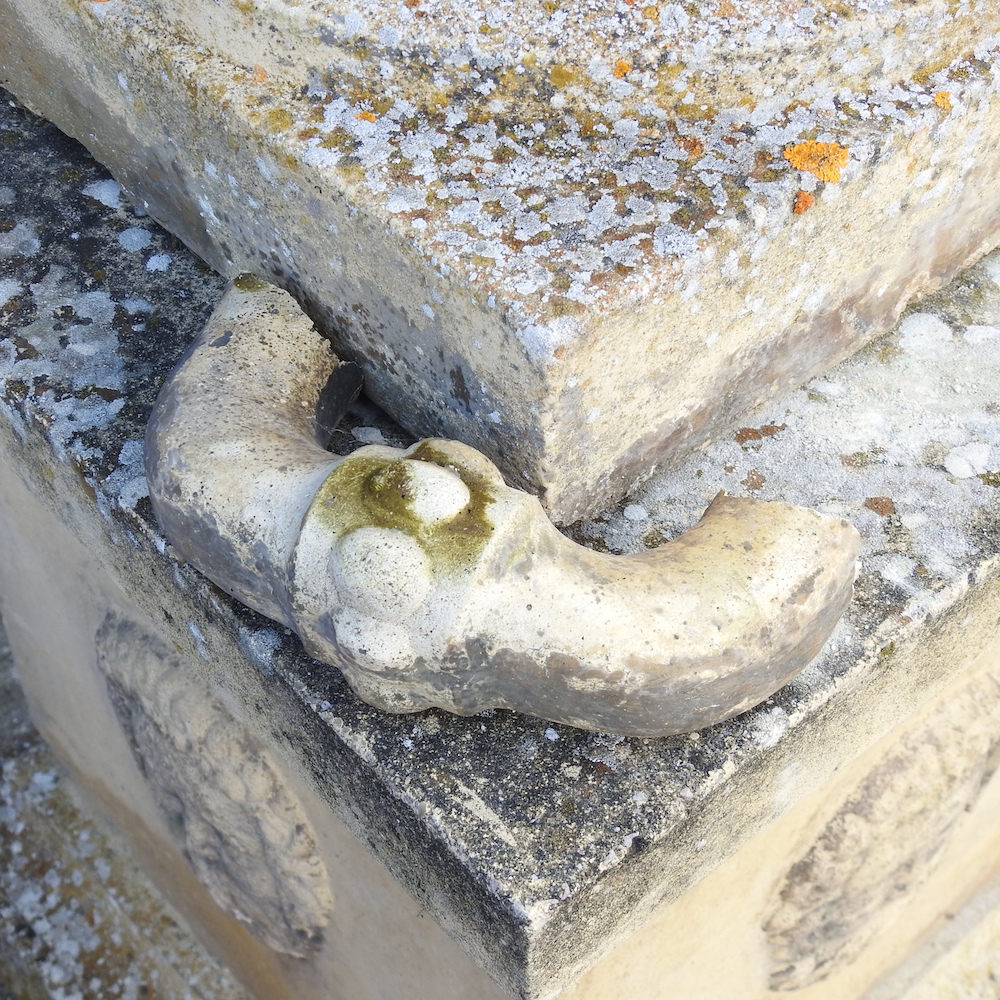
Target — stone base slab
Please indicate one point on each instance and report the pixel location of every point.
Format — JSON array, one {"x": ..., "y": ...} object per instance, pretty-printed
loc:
[{"x": 222, "y": 787}]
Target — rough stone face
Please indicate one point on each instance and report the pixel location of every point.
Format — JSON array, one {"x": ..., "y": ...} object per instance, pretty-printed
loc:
[{"x": 583, "y": 241}]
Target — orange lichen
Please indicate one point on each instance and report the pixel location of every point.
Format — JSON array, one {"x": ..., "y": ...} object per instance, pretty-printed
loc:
[
  {"x": 942, "y": 98},
  {"x": 259, "y": 73},
  {"x": 622, "y": 68},
  {"x": 883, "y": 506},
  {"x": 365, "y": 116},
  {"x": 754, "y": 480},
  {"x": 691, "y": 145},
  {"x": 824, "y": 159},
  {"x": 803, "y": 202}
]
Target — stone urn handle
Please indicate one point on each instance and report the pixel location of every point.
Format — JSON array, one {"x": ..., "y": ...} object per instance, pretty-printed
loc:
[{"x": 429, "y": 582}]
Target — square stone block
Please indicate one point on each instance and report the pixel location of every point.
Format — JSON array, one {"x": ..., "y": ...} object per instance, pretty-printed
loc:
[
  {"x": 311, "y": 839},
  {"x": 584, "y": 240}
]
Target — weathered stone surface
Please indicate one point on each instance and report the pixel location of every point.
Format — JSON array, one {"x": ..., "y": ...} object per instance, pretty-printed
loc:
[
  {"x": 960, "y": 961},
  {"x": 583, "y": 241},
  {"x": 538, "y": 847}
]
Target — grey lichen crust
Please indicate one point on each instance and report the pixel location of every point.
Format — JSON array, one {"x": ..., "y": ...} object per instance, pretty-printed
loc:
[
  {"x": 431, "y": 583},
  {"x": 579, "y": 236}
]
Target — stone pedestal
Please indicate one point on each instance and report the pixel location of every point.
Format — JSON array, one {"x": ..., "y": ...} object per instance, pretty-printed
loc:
[
  {"x": 815, "y": 845},
  {"x": 583, "y": 241}
]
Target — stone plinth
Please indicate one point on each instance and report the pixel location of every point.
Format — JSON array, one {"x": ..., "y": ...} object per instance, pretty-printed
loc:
[
  {"x": 584, "y": 241},
  {"x": 318, "y": 845}
]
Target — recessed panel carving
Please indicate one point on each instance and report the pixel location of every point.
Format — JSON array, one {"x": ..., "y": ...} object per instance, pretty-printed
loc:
[
  {"x": 884, "y": 840},
  {"x": 244, "y": 832}
]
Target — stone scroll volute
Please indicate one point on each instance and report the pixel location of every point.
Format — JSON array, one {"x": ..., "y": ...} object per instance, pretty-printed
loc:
[{"x": 429, "y": 582}]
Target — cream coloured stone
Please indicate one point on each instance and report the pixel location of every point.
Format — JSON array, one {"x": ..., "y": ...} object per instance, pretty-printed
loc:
[
  {"x": 245, "y": 834},
  {"x": 436, "y": 493},
  {"x": 383, "y": 647},
  {"x": 381, "y": 572}
]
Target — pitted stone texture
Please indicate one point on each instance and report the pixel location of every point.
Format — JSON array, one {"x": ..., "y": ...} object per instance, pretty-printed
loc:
[
  {"x": 961, "y": 961},
  {"x": 381, "y": 571},
  {"x": 242, "y": 829},
  {"x": 583, "y": 241}
]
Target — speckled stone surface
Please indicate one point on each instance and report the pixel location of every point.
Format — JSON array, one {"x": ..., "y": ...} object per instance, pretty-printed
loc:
[
  {"x": 78, "y": 919},
  {"x": 583, "y": 237},
  {"x": 537, "y": 846}
]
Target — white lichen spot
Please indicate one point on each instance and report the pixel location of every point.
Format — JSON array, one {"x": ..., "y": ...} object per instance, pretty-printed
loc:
[
  {"x": 267, "y": 169},
  {"x": 9, "y": 287},
  {"x": 540, "y": 341},
  {"x": 635, "y": 512},
  {"x": 968, "y": 460},
  {"x": 368, "y": 435},
  {"x": 199, "y": 639},
  {"x": 207, "y": 212},
  {"x": 21, "y": 241},
  {"x": 769, "y": 727},
  {"x": 134, "y": 238},
  {"x": 671, "y": 241},
  {"x": 107, "y": 192},
  {"x": 981, "y": 334},
  {"x": 159, "y": 262},
  {"x": 406, "y": 199},
  {"x": 924, "y": 335},
  {"x": 354, "y": 24}
]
